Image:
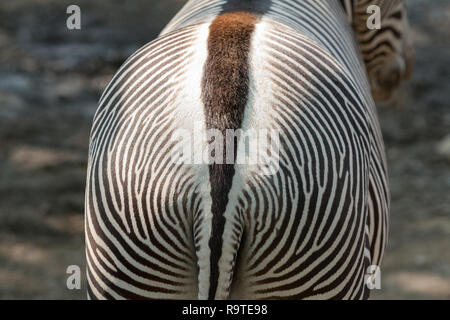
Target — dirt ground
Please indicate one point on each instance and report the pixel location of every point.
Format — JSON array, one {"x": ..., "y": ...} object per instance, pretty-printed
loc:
[{"x": 51, "y": 79}]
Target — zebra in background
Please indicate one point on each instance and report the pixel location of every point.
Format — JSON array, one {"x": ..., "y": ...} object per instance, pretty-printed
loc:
[
  {"x": 161, "y": 229},
  {"x": 388, "y": 52}
]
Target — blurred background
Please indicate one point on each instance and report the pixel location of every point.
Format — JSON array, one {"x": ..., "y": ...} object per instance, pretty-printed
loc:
[{"x": 51, "y": 79}]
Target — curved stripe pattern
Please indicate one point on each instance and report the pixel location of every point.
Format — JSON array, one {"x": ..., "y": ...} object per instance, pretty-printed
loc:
[{"x": 158, "y": 228}]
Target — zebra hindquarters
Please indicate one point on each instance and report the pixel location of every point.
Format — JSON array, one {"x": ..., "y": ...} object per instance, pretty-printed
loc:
[
  {"x": 139, "y": 239},
  {"x": 141, "y": 201},
  {"x": 134, "y": 255},
  {"x": 306, "y": 234},
  {"x": 153, "y": 229}
]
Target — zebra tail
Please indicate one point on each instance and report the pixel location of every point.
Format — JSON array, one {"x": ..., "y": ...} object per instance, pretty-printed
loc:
[{"x": 225, "y": 88}]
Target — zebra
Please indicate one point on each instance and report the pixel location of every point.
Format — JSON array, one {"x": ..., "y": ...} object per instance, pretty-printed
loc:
[{"x": 310, "y": 70}]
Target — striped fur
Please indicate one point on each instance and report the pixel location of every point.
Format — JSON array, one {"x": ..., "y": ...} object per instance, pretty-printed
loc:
[
  {"x": 159, "y": 229},
  {"x": 388, "y": 53}
]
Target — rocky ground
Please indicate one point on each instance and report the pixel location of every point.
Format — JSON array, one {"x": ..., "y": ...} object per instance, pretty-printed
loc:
[{"x": 51, "y": 79}]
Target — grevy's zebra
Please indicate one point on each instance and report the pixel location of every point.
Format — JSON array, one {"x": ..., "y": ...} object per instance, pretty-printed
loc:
[{"x": 157, "y": 229}]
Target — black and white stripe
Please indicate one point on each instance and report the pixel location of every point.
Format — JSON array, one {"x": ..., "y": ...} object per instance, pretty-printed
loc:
[{"x": 162, "y": 230}]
